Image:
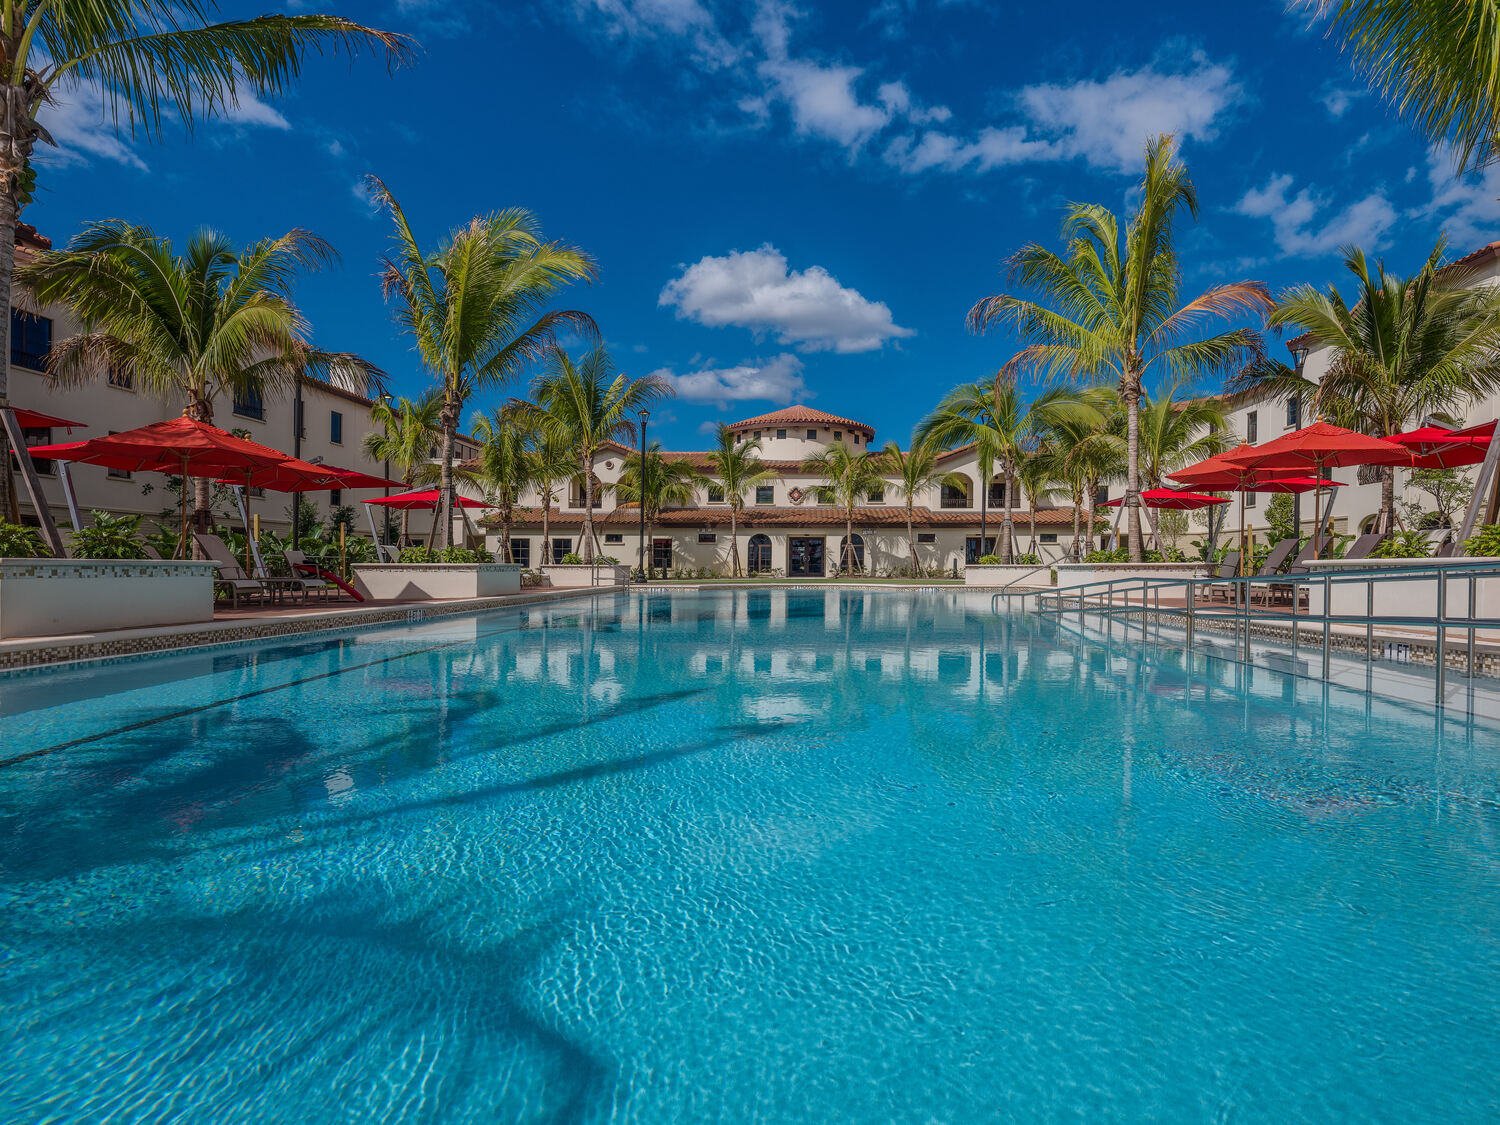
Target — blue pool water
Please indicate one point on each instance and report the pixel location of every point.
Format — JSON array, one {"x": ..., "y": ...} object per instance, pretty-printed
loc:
[{"x": 742, "y": 856}]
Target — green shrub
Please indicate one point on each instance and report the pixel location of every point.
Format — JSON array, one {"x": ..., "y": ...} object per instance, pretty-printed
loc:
[
  {"x": 573, "y": 558},
  {"x": 415, "y": 555},
  {"x": 1485, "y": 542},
  {"x": 607, "y": 560},
  {"x": 1403, "y": 545},
  {"x": 1030, "y": 558},
  {"x": 989, "y": 560},
  {"x": 17, "y": 542},
  {"x": 110, "y": 537}
]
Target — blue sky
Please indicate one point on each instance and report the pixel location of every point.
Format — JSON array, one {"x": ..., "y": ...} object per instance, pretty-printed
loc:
[{"x": 791, "y": 201}]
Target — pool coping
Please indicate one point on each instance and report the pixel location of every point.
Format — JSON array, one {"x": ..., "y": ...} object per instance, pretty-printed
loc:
[{"x": 122, "y": 644}]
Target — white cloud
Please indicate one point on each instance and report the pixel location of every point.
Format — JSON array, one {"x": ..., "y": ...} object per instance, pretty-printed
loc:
[
  {"x": 823, "y": 102},
  {"x": 1107, "y": 122},
  {"x": 78, "y": 119},
  {"x": 1467, "y": 207},
  {"x": 777, "y": 380},
  {"x": 756, "y": 289},
  {"x": 1304, "y": 225},
  {"x": 990, "y": 149},
  {"x": 660, "y": 20},
  {"x": 1337, "y": 100}
]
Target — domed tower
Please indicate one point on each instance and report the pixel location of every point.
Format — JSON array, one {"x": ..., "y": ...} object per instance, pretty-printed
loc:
[{"x": 798, "y": 432}]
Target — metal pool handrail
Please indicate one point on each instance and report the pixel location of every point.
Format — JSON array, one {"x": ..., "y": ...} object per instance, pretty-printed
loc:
[{"x": 1101, "y": 597}]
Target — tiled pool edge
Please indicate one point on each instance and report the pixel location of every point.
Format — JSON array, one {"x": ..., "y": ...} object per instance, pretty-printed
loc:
[{"x": 104, "y": 649}]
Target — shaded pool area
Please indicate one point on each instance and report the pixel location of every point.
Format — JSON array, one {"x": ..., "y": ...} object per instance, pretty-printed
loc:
[{"x": 770, "y": 855}]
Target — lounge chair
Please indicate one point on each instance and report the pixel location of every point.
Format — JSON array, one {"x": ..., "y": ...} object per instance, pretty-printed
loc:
[
  {"x": 1363, "y": 546},
  {"x": 1273, "y": 564},
  {"x": 232, "y": 578},
  {"x": 1229, "y": 567},
  {"x": 1447, "y": 548},
  {"x": 309, "y": 580}
]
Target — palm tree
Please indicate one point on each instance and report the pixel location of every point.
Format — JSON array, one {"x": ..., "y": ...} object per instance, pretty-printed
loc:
[
  {"x": 504, "y": 466},
  {"x": 738, "y": 471},
  {"x": 475, "y": 307},
  {"x": 1407, "y": 348},
  {"x": 991, "y": 417},
  {"x": 912, "y": 472},
  {"x": 549, "y": 464},
  {"x": 189, "y": 327},
  {"x": 585, "y": 404},
  {"x": 1108, "y": 309},
  {"x": 1436, "y": 61},
  {"x": 1041, "y": 485},
  {"x": 848, "y": 479},
  {"x": 404, "y": 439},
  {"x": 1175, "y": 433},
  {"x": 147, "y": 59},
  {"x": 1080, "y": 446},
  {"x": 656, "y": 483}
]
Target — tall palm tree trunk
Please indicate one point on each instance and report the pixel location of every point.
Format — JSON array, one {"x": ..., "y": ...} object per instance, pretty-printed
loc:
[
  {"x": 1077, "y": 508},
  {"x": 911, "y": 539},
  {"x": 590, "y": 540},
  {"x": 1009, "y": 550},
  {"x": 1130, "y": 392},
  {"x": 734, "y": 543},
  {"x": 444, "y": 511},
  {"x": 15, "y": 149},
  {"x": 1387, "y": 500},
  {"x": 546, "y": 527}
]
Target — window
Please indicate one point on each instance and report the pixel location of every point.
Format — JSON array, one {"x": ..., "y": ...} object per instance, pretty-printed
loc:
[
  {"x": 561, "y": 548},
  {"x": 876, "y": 496},
  {"x": 117, "y": 474},
  {"x": 759, "y": 554},
  {"x": 780, "y": 435},
  {"x": 576, "y": 494},
  {"x": 336, "y": 497},
  {"x": 973, "y": 551},
  {"x": 248, "y": 404},
  {"x": 336, "y": 427},
  {"x": 661, "y": 554},
  {"x": 614, "y": 537},
  {"x": 812, "y": 435},
  {"x": 838, "y": 435},
  {"x": 520, "y": 552},
  {"x": 1293, "y": 412},
  {"x": 39, "y": 437},
  {"x": 926, "y": 537},
  {"x": 121, "y": 378},
  {"x": 954, "y": 496},
  {"x": 707, "y": 537},
  {"x": 30, "y": 340},
  {"x": 765, "y": 494},
  {"x": 1252, "y": 427},
  {"x": 1101, "y": 495},
  {"x": 716, "y": 494},
  {"x": 1252, "y": 500},
  {"x": 1049, "y": 537},
  {"x": 997, "y": 494}
]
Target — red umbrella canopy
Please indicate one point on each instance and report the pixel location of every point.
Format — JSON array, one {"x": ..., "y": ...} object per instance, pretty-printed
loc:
[
  {"x": 1434, "y": 447},
  {"x": 1318, "y": 447},
  {"x": 1172, "y": 498},
  {"x": 1219, "y": 472},
  {"x": 427, "y": 498},
  {"x": 353, "y": 478},
  {"x": 176, "y": 446},
  {"x": 1293, "y": 485},
  {"x": 291, "y": 475},
  {"x": 36, "y": 420}
]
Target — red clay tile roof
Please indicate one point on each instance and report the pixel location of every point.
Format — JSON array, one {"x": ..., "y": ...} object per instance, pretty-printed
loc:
[
  {"x": 801, "y": 416},
  {"x": 805, "y": 516}
]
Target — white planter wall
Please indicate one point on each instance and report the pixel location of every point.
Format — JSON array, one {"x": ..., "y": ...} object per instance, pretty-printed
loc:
[
  {"x": 422, "y": 582},
  {"x": 992, "y": 577},
  {"x": 1411, "y": 597},
  {"x": 61, "y": 597},
  {"x": 567, "y": 576},
  {"x": 1076, "y": 574}
]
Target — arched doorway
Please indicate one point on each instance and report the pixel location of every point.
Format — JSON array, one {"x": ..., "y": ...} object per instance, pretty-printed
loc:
[
  {"x": 758, "y": 559},
  {"x": 859, "y": 552}
]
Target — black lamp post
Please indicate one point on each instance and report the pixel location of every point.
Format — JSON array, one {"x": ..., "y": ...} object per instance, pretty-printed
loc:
[{"x": 641, "y": 555}]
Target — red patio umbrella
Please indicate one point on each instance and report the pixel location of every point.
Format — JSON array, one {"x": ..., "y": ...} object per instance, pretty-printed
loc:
[
  {"x": 1318, "y": 447},
  {"x": 36, "y": 420},
  {"x": 1433, "y": 447},
  {"x": 1176, "y": 499},
  {"x": 180, "y": 445},
  {"x": 426, "y": 499}
]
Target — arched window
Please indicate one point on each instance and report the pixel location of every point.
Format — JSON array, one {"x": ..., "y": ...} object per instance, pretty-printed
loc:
[
  {"x": 859, "y": 552},
  {"x": 759, "y": 560},
  {"x": 956, "y": 491},
  {"x": 576, "y": 492}
]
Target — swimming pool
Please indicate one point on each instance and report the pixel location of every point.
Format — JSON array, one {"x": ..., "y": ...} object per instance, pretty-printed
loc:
[{"x": 740, "y": 855}]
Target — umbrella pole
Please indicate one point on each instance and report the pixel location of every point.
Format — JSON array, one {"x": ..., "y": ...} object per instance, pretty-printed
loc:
[
  {"x": 249, "y": 535},
  {"x": 182, "y": 537},
  {"x": 1318, "y": 508}
]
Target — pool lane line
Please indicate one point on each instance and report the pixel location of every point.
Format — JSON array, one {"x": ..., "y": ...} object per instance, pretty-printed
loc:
[{"x": 129, "y": 728}]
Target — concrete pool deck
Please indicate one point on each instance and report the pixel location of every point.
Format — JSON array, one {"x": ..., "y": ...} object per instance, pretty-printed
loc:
[{"x": 254, "y": 623}]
